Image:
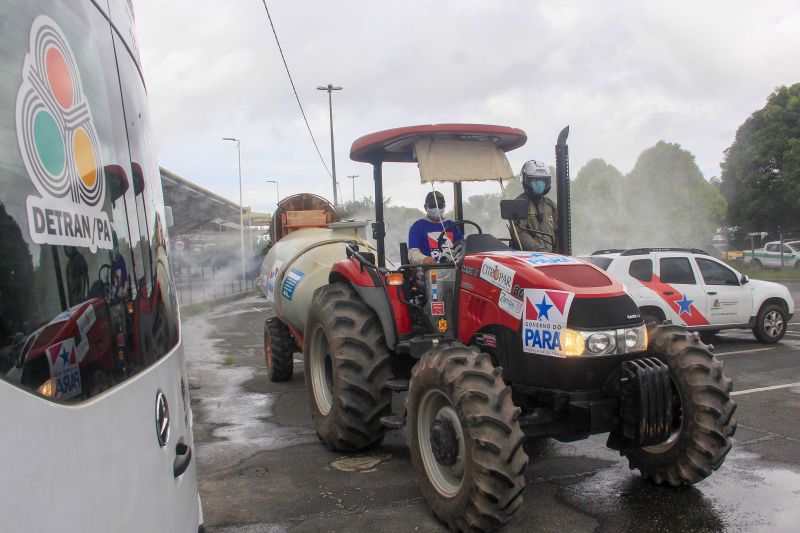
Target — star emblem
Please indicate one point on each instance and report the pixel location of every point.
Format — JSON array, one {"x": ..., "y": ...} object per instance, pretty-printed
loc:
[
  {"x": 64, "y": 355},
  {"x": 684, "y": 305},
  {"x": 543, "y": 308}
]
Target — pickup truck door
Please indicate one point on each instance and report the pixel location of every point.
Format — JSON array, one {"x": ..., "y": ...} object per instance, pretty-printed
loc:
[
  {"x": 679, "y": 287},
  {"x": 727, "y": 301}
]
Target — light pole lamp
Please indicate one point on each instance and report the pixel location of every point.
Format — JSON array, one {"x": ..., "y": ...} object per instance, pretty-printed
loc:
[
  {"x": 353, "y": 178},
  {"x": 241, "y": 210},
  {"x": 277, "y": 191},
  {"x": 330, "y": 88}
]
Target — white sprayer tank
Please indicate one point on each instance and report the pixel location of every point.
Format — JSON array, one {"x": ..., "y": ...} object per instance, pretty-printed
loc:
[{"x": 299, "y": 263}]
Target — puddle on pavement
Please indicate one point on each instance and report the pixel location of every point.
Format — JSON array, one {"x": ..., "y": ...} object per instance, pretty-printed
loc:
[
  {"x": 220, "y": 399},
  {"x": 745, "y": 494},
  {"x": 360, "y": 464}
]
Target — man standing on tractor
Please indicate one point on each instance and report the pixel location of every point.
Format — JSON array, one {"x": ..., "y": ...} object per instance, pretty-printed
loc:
[
  {"x": 424, "y": 247},
  {"x": 537, "y": 232}
]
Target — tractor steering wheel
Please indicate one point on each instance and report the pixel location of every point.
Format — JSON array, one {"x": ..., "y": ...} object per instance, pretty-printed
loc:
[{"x": 457, "y": 248}]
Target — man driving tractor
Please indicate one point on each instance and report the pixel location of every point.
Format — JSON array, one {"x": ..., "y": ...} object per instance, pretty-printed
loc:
[
  {"x": 538, "y": 230},
  {"x": 424, "y": 247}
]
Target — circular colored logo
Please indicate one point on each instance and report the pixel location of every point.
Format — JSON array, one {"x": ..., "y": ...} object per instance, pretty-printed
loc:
[{"x": 55, "y": 129}]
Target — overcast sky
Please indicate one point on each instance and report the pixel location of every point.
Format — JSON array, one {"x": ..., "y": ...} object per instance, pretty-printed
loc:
[{"x": 622, "y": 75}]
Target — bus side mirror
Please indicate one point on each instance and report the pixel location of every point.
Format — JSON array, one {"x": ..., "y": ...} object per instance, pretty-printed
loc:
[
  {"x": 514, "y": 209},
  {"x": 168, "y": 214}
]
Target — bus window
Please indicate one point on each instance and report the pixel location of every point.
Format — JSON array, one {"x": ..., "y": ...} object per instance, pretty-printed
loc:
[{"x": 81, "y": 305}]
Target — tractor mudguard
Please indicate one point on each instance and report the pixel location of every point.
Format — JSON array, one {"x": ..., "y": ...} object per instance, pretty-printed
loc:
[{"x": 368, "y": 283}]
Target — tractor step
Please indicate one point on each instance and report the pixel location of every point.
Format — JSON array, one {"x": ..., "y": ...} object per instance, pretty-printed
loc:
[
  {"x": 392, "y": 421},
  {"x": 397, "y": 385}
]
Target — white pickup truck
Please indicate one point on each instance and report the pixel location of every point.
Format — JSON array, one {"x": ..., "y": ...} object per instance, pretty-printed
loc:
[{"x": 770, "y": 256}]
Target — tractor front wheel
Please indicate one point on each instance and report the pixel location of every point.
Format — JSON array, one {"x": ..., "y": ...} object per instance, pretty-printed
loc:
[
  {"x": 465, "y": 439},
  {"x": 278, "y": 350},
  {"x": 703, "y": 421},
  {"x": 347, "y": 365}
]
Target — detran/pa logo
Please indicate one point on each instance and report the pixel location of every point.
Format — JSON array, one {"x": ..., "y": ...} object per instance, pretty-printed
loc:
[{"x": 59, "y": 146}]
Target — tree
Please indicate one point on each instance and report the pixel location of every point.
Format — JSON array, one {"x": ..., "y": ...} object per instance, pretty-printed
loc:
[
  {"x": 598, "y": 219},
  {"x": 670, "y": 201},
  {"x": 761, "y": 170}
]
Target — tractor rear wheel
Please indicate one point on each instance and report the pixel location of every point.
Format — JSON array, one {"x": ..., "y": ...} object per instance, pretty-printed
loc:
[
  {"x": 703, "y": 421},
  {"x": 278, "y": 350},
  {"x": 347, "y": 365},
  {"x": 465, "y": 439}
]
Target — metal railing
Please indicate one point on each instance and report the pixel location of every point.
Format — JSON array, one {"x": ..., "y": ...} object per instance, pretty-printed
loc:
[{"x": 204, "y": 283}]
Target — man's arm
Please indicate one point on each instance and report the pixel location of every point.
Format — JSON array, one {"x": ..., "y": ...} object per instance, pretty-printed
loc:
[
  {"x": 416, "y": 239},
  {"x": 526, "y": 240}
]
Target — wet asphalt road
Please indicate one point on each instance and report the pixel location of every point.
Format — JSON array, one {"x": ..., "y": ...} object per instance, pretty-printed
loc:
[{"x": 262, "y": 469}]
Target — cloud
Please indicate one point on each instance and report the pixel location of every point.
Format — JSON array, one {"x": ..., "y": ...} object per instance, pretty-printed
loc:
[{"x": 622, "y": 75}]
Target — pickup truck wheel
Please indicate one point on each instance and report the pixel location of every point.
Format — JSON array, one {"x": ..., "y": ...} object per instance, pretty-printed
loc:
[
  {"x": 278, "y": 350},
  {"x": 465, "y": 439},
  {"x": 797, "y": 265},
  {"x": 756, "y": 263},
  {"x": 703, "y": 412},
  {"x": 770, "y": 323},
  {"x": 347, "y": 365}
]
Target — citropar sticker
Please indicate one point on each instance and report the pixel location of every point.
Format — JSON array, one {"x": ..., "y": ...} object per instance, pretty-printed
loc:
[
  {"x": 437, "y": 308},
  {"x": 544, "y": 321},
  {"x": 497, "y": 274},
  {"x": 59, "y": 145}
]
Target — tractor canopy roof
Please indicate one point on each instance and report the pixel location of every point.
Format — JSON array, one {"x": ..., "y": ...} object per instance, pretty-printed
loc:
[{"x": 444, "y": 152}]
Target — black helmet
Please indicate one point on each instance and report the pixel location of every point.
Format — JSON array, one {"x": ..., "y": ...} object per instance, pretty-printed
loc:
[{"x": 535, "y": 177}]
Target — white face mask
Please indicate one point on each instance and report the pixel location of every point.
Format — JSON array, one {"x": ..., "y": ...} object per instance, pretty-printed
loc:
[{"x": 435, "y": 213}]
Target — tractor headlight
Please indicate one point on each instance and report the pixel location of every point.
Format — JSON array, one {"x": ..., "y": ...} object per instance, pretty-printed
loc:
[
  {"x": 598, "y": 343},
  {"x": 47, "y": 389},
  {"x": 609, "y": 342},
  {"x": 574, "y": 343}
]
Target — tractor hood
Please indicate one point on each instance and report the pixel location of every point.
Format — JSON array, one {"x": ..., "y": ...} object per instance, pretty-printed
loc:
[{"x": 597, "y": 299}]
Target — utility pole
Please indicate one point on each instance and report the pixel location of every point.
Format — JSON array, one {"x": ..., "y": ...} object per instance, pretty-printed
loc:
[{"x": 330, "y": 88}]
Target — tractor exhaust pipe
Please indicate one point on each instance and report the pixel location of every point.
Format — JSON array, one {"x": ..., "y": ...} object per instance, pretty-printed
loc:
[{"x": 564, "y": 212}]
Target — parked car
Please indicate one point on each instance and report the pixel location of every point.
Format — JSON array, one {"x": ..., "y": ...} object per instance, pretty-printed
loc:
[
  {"x": 770, "y": 255},
  {"x": 689, "y": 287}
]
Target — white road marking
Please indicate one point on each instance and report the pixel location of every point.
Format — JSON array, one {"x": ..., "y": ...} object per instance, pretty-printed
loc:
[
  {"x": 743, "y": 351},
  {"x": 762, "y": 389},
  {"x": 257, "y": 309}
]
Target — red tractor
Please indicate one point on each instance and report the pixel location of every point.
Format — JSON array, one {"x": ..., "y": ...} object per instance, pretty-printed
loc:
[{"x": 499, "y": 346}]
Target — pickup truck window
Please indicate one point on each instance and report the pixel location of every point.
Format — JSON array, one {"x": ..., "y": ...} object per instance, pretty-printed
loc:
[
  {"x": 716, "y": 274},
  {"x": 787, "y": 250},
  {"x": 772, "y": 247},
  {"x": 641, "y": 269},
  {"x": 677, "y": 270}
]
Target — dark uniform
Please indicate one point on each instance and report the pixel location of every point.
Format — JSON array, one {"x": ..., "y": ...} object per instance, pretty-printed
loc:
[{"x": 541, "y": 217}]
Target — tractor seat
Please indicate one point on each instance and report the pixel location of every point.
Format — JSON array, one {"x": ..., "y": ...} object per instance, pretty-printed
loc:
[{"x": 483, "y": 242}]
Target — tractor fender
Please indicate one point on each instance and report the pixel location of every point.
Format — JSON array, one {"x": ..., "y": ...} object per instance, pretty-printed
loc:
[{"x": 368, "y": 284}]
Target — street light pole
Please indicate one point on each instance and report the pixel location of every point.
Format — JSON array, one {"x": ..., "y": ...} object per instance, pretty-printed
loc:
[
  {"x": 241, "y": 210},
  {"x": 277, "y": 191},
  {"x": 330, "y": 88},
  {"x": 353, "y": 178}
]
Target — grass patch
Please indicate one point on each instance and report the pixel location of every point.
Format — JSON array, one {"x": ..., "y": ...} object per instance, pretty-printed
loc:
[
  {"x": 228, "y": 360},
  {"x": 769, "y": 274}
]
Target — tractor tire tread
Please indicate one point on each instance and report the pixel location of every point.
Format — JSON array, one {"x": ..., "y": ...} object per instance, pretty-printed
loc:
[{"x": 707, "y": 412}]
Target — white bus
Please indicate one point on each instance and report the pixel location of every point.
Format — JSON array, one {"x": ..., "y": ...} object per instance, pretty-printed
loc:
[{"x": 96, "y": 430}]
